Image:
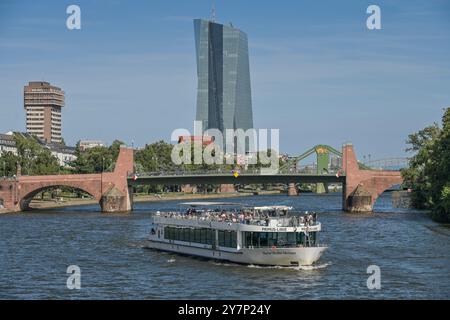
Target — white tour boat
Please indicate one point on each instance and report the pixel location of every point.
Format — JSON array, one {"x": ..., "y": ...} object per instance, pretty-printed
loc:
[{"x": 267, "y": 235}]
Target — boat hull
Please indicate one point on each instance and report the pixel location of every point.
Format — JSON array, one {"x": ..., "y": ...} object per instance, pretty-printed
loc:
[{"x": 259, "y": 256}]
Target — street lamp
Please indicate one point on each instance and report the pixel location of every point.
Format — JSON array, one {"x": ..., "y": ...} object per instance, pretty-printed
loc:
[{"x": 101, "y": 178}]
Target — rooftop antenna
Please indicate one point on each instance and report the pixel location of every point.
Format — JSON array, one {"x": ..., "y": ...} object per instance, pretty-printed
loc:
[{"x": 213, "y": 11}]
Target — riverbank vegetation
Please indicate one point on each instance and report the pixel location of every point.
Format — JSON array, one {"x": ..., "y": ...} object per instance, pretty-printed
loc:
[
  {"x": 31, "y": 159},
  {"x": 34, "y": 159},
  {"x": 428, "y": 175}
]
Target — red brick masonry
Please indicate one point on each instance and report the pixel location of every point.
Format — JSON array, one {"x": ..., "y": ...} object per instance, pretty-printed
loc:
[
  {"x": 373, "y": 182},
  {"x": 110, "y": 189},
  {"x": 361, "y": 189}
]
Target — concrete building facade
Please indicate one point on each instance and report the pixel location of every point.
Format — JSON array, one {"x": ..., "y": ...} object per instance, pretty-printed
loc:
[
  {"x": 89, "y": 144},
  {"x": 43, "y": 103},
  {"x": 223, "y": 91}
]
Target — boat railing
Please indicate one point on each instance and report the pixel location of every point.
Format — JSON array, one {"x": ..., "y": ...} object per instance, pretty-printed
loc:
[
  {"x": 265, "y": 221},
  {"x": 287, "y": 246}
]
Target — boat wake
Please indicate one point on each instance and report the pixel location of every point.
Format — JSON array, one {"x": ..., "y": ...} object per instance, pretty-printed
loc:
[
  {"x": 312, "y": 267},
  {"x": 297, "y": 268}
]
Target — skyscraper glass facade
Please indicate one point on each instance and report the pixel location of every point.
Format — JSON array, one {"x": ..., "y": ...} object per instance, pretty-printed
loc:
[{"x": 223, "y": 92}]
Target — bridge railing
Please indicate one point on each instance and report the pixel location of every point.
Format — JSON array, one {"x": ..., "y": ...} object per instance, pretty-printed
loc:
[
  {"x": 388, "y": 164},
  {"x": 14, "y": 178},
  {"x": 286, "y": 171}
]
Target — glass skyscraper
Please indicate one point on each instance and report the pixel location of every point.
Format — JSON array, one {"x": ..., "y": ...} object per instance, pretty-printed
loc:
[{"x": 223, "y": 93}]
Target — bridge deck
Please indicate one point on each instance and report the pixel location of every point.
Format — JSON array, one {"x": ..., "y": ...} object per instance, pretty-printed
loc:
[{"x": 241, "y": 179}]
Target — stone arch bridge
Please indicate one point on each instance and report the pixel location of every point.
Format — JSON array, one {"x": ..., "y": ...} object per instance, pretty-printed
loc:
[
  {"x": 361, "y": 187},
  {"x": 110, "y": 189}
]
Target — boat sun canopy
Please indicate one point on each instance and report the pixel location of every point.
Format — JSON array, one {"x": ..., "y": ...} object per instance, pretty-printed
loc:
[
  {"x": 267, "y": 208},
  {"x": 207, "y": 204}
]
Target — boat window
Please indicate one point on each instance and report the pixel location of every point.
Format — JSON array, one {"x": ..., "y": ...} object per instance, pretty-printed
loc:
[
  {"x": 221, "y": 236},
  {"x": 282, "y": 239},
  {"x": 201, "y": 235},
  {"x": 233, "y": 236},
  {"x": 255, "y": 239},
  {"x": 278, "y": 239},
  {"x": 262, "y": 239},
  {"x": 301, "y": 238},
  {"x": 197, "y": 235},
  {"x": 291, "y": 239},
  {"x": 186, "y": 234},
  {"x": 307, "y": 240},
  {"x": 247, "y": 239},
  {"x": 227, "y": 238},
  {"x": 167, "y": 232},
  {"x": 210, "y": 235},
  {"x": 177, "y": 232},
  {"x": 313, "y": 238},
  {"x": 272, "y": 238}
]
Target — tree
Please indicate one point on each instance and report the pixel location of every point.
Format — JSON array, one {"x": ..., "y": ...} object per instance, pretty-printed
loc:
[
  {"x": 416, "y": 176},
  {"x": 8, "y": 164},
  {"x": 428, "y": 174},
  {"x": 439, "y": 171},
  {"x": 97, "y": 159},
  {"x": 155, "y": 157},
  {"x": 33, "y": 158}
]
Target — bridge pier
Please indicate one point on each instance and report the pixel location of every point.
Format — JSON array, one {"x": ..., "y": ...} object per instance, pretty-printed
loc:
[
  {"x": 292, "y": 189},
  {"x": 8, "y": 195},
  {"x": 362, "y": 187},
  {"x": 116, "y": 194},
  {"x": 321, "y": 188},
  {"x": 359, "y": 200},
  {"x": 115, "y": 201},
  {"x": 187, "y": 188},
  {"x": 227, "y": 188}
]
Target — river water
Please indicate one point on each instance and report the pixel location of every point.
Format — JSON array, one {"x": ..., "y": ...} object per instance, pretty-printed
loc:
[{"x": 412, "y": 252}]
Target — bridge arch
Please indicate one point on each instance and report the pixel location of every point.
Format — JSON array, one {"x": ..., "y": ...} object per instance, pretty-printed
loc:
[
  {"x": 30, "y": 191},
  {"x": 376, "y": 186}
]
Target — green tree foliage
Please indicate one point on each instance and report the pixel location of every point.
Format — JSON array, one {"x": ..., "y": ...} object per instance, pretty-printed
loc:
[
  {"x": 440, "y": 172},
  {"x": 416, "y": 176},
  {"x": 155, "y": 157},
  {"x": 8, "y": 164},
  {"x": 96, "y": 159},
  {"x": 34, "y": 159},
  {"x": 429, "y": 172}
]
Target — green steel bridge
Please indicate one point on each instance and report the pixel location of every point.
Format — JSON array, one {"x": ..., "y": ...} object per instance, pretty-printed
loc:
[{"x": 326, "y": 169}]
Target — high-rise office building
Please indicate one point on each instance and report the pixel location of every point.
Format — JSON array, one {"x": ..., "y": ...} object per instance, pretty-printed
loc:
[
  {"x": 223, "y": 93},
  {"x": 43, "y": 103}
]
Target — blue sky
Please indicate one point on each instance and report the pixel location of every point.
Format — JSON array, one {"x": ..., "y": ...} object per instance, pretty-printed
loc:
[{"x": 318, "y": 74}]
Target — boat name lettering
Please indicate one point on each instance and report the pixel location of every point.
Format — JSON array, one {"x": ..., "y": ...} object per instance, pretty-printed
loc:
[
  {"x": 273, "y": 229},
  {"x": 279, "y": 252}
]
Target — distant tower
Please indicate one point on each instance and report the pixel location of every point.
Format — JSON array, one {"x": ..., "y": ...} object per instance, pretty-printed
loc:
[
  {"x": 223, "y": 91},
  {"x": 43, "y": 103}
]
